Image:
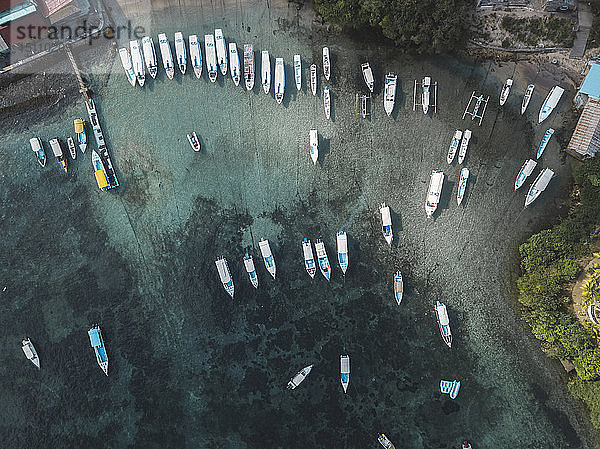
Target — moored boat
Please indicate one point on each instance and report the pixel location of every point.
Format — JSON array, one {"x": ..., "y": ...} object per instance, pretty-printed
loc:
[
  {"x": 527, "y": 98},
  {"x": 398, "y": 287},
  {"x": 166, "y": 54},
  {"x": 97, "y": 343},
  {"x": 82, "y": 140},
  {"x": 195, "y": 55},
  {"x": 454, "y": 145},
  {"x": 225, "y": 275},
  {"x": 298, "y": 71},
  {"x": 309, "y": 258},
  {"x": 322, "y": 259},
  {"x": 525, "y": 171},
  {"x": 58, "y": 153},
  {"x": 345, "y": 371},
  {"x": 265, "y": 250},
  {"x": 313, "y": 79},
  {"x": 544, "y": 142},
  {"x": 477, "y": 106},
  {"x": 265, "y": 71},
  {"x": 180, "y": 52},
  {"x": 38, "y": 149},
  {"x": 464, "y": 145},
  {"x": 505, "y": 91},
  {"x": 436, "y": 183},
  {"x": 386, "y": 223},
  {"x": 462, "y": 185},
  {"x": 137, "y": 62},
  {"x": 30, "y": 352},
  {"x": 342, "y": 250},
  {"x": 221, "y": 51},
  {"x": 466, "y": 445},
  {"x": 250, "y": 269},
  {"x": 450, "y": 387},
  {"x": 550, "y": 103},
  {"x": 441, "y": 315},
  {"x": 149, "y": 55},
  {"x": 389, "y": 97},
  {"x": 425, "y": 93},
  {"x": 385, "y": 442},
  {"x": 314, "y": 145},
  {"x": 194, "y": 141},
  {"x": 538, "y": 186},
  {"x": 279, "y": 80},
  {"x": 368, "y": 75},
  {"x": 99, "y": 171},
  {"x": 211, "y": 57},
  {"x": 127, "y": 65},
  {"x": 326, "y": 63},
  {"x": 71, "y": 146},
  {"x": 299, "y": 377},
  {"x": 234, "y": 63},
  {"x": 327, "y": 102},
  {"x": 249, "y": 66}
]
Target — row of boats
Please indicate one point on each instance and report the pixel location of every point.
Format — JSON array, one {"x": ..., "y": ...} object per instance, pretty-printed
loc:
[
  {"x": 80, "y": 135},
  {"x": 548, "y": 105}
]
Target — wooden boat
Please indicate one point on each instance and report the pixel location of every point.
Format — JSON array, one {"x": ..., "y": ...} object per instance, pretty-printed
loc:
[
  {"x": 398, "y": 287},
  {"x": 326, "y": 63},
  {"x": 368, "y": 76},
  {"x": 298, "y": 71},
  {"x": 71, "y": 146},
  {"x": 527, "y": 98},
  {"x": 82, "y": 140},
  {"x": 313, "y": 79},
  {"x": 544, "y": 142},
  {"x": 505, "y": 91},
  {"x": 450, "y": 387},
  {"x": 389, "y": 97},
  {"x": 58, "y": 153},
  {"x": 327, "y": 102}
]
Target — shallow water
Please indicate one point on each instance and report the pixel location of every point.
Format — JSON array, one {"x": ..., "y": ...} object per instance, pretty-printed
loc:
[{"x": 189, "y": 367}]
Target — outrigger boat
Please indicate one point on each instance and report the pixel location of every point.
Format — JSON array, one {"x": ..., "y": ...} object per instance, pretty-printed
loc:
[
  {"x": 195, "y": 55},
  {"x": 71, "y": 146},
  {"x": 368, "y": 76},
  {"x": 436, "y": 183},
  {"x": 38, "y": 149},
  {"x": 249, "y": 66},
  {"x": 450, "y": 387},
  {"x": 30, "y": 352},
  {"x": 137, "y": 62},
  {"x": 398, "y": 287},
  {"x": 250, "y": 269},
  {"x": 505, "y": 91},
  {"x": 462, "y": 185},
  {"x": 266, "y": 71},
  {"x": 389, "y": 98},
  {"x": 99, "y": 171},
  {"x": 298, "y": 71},
  {"x": 58, "y": 153},
  {"x": 524, "y": 173},
  {"x": 221, "y": 51},
  {"x": 527, "y": 97},
  {"x": 279, "y": 80},
  {"x": 97, "y": 343},
  {"x": 464, "y": 145},
  {"x": 385, "y": 442},
  {"x": 211, "y": 57},
  {"x": 550, "y": 103},
  {"x": 326, "y": 63},
  {"x": 309, "y": 258},
  {"x": 149, "y": 55},
  {"x": 323, "y": 259},
  {"x": 386, "y": 223},
  {"x": 544, "y": 142},
  {"x": 345, "y": 371},
  {"x": 477, "y": 111},
  {"x": 79, "y": 126},
  {"x": 314, "y": 145},
  {"x": 454, "y": 145},
  {"x": 342, "y": 251},
  {"x": 234, "y": 63},
  {"x": 327, "y": 102},
  {"x": 225, "y": 275},
  {"x": 167, "y": 56},
  {"x": 265, "y": 250},
  {"x": 538, "y": 186},
  {"x": 194, "y": 141},
  {"x": 299, "y": 377},
  {"x": 441, "y": 314},
  {"x": 180, "y": 52},
  {"x": 127, "y": 65},
  {"x": 313, "y": 79}
]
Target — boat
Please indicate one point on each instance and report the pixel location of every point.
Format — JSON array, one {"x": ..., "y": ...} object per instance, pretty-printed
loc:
[
  {"x": 299, "y": 377},
  {"x": 265, "y": 250},
  {"x": 58, "y": 153},
  {"x": 249, "y": 264},
  {"x": 195, "y": 55},
  {"x": 298, "y": 71},
  {"x": 342, "y": 250},
  {"x": 441, "y": 315},
  {"x": 368, "y": 76},
  {"x": 167, "y": 56},
  {"x": 505, "y": 91},
  {"x": 249, "y": 66},
  {"x": 385, "y": 442},
  {"x": 82, "y": 141},
  {"x": 326, "y": 63},
  {"x": 477, "y": 106},
  {"x": 462, "y": 185},
  {"x": 149, "y": 55},
  {"x": 225, "y": 275},
  {"x": 180, "y": 52},
  {"x": 454, "y": 145},
  {"x": 30, "y": 352},
  {"x": 97, "y": 343},
  {"x": 101, "y": 144},
  {"x": 127, "y": 65},
  {"x": 279, "y": 80},
  {"x": 436, "y": 183},
  {"x": 221, "y": 51},
  {"x": 450, "y": 387},
  {"x": 425, "y": 93},
  {"x": 309, "y": 258},
  {"x": 211, "y": 56},
  {"x": 71, "y": 146},
  {"x": 266, "y": 71},
  {"x": 345, "y": 371},
  {"x": 525, "y": 171},
  {"x": 314, "y": 145},
  {"x": 323, "y": 259},
  {"x": 38, "y": 149},
  {"x": 538, "y": 186},
  {"x": 466, "y": 445},
  {"x": 194, "y": 141},
  {"x": 398, "y": 287},
  {"x": 327, "y": 102},
  {"x": 550, "y": 103},
  {"x": 464, "y": 145},
  {"x": 234, "y": 63},
  {"x": 313, "y": 79},
  {"x": 544, "y": 142},
  {"x": 137, "y": 62},
  {"x": 527, "y": 97},
  {"x": 99, "y": 171},
  {"x": 389, "y": 97},
  {"x": 386, "y": 223}
]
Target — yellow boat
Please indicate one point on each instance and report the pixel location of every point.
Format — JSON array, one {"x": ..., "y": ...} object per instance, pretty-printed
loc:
[
  {"x": 99, "y": 171},
  {"x": 81, "y": 136}
]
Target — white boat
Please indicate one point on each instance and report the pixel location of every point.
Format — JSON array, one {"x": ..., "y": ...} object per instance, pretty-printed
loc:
[
  {"x": 526, "y": 98},
  {"x": 385, "y": 442},
  {"x": 435, "y": 190},
  {"x": 58, "y": 153},
  {"x": 345, "y": 371},
  {"x": 389, "y": 97},
  {"x": 137, "y": 62},
  {"x": 71, "y": 146},
  {"x": 368, "y": 76},
  {"x": 195, "y": 55},
  {"x": 221, "y": 51},
  {"x": 180, "y": 52},
  {"x": 279, "y": 80},
  {"x": 464, "y": 145},
  {"x": 211, "y": 56},
  {"x": 30, "y": 352},
  {"x": 538, "y": 186},
  {"x": 194, "y": 141},
  {"x": 524, "y": 173},
  {"x": 149, "y": 55},
  {"x": 314, "y": 145},
  {"x": 454, "y": 145},
  {"x": 234, "y": 63},
  {"x": 505, "y": 91},
  {"x": 326, "y": 63},
  {"x": 441, "y": 315},
  {"x": 249, "y": 66},
  {"x": 462, "y": 185},
  {"x": 127, "y": 65},
  {"x": 544, "y": 142},
  {"x": 299, "y": 377},
  {"x": 265, "y": 250},
  {"x": 322, "y": 259},
  {"x": 225, "y": 275},
  {"x": 398, "y": 287},
  {"x": 97, "y": 342},
  {"x": 82, "y": 139},
  {"x": 298, "y": 71},
  {"x": 167, "y": 56},
  {"x": 386, "y": 223},
  {"x": 450, "y": 387},
  {"x": 550, "y": 103},
  {"x": 266, "y": 71},
  {"x": 309, "y": 258},
  {"x": 425, "y": 93},
  {"x": 250, "y": 269},
  {"x": 327, "y": 102},
  {"x": 313, "y": 79},
  {"x": 342, "y": 250},
  {"x": 38, "y": 149}
]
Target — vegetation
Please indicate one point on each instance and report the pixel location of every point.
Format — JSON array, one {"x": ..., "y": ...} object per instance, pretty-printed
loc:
[
  {"x": 533, "y": 30},
  {"x": 594, "y": 37}
]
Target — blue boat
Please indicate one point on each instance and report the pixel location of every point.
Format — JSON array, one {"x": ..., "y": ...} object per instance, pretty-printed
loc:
[
  {"x": 526, "y": 170},
  {"x": 544, "y": 142},
  {"x": 342, "y": 250},
  {"x": 80, "y": 133},
  {"x": 323, "y": 259},
  {"x": 450, "y": 387},
  {"x": 98, "y": 344}
]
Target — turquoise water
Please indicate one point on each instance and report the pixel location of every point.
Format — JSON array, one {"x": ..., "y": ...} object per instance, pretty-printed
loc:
[{"x": 189, "y": 367}]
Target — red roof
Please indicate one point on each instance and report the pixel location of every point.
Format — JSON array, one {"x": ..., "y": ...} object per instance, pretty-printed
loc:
[{"x": 48, "y": 7}]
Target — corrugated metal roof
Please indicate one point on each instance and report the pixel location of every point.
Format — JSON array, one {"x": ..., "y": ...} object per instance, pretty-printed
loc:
[
  {"x": 586, "y": 137},
  {"x": 591, "y": 84},
  {"x": 17, "y": 12}
]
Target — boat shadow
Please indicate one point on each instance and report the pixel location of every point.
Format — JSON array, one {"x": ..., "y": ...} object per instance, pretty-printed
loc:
[
  {"x": 445, "y": 197},
  {"x": 397, "y": 226},
  {"x": 324, "y": 150}
]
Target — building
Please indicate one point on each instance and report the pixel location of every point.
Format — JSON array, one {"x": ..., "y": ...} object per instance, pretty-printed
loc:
[
  {"x": 559, "y": 5},
  {"x": 585, "y": 141}
]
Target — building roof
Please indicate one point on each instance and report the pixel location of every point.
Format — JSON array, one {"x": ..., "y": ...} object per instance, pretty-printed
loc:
[
  {"x": 16, "y": 12},
  {"x": 48, "y": 7},
  {"x": 591, "y": 84},
  {"x": 586, "y": 137},
  {"x": 13, "y": 33}
]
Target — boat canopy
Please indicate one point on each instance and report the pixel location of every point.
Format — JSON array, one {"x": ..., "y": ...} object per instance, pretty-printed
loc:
[
  {"x": 35, "y": 144},
  {"x": 223, "y": 270},
  {"x": 307, "y": 250},
  {"x": 101, "y": 179},
  {"x": 27, "y": 350},
  {"x": 544, "y": 179},
  {"x": 442, "y": 314},
  {"x": 78, "y": 123},
  {"x": 342, "y": 243},
  {"x": 385, "y": 216},
  {"x": 95, "y": 337}
]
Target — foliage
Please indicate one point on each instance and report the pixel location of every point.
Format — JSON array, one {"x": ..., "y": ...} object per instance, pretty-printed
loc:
[
  {"x": 591, "y": 287},
  {"x": 589, "y": 393},
  {"x": 532, "y": 30},
  {"x": 594, "y": 37}
]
